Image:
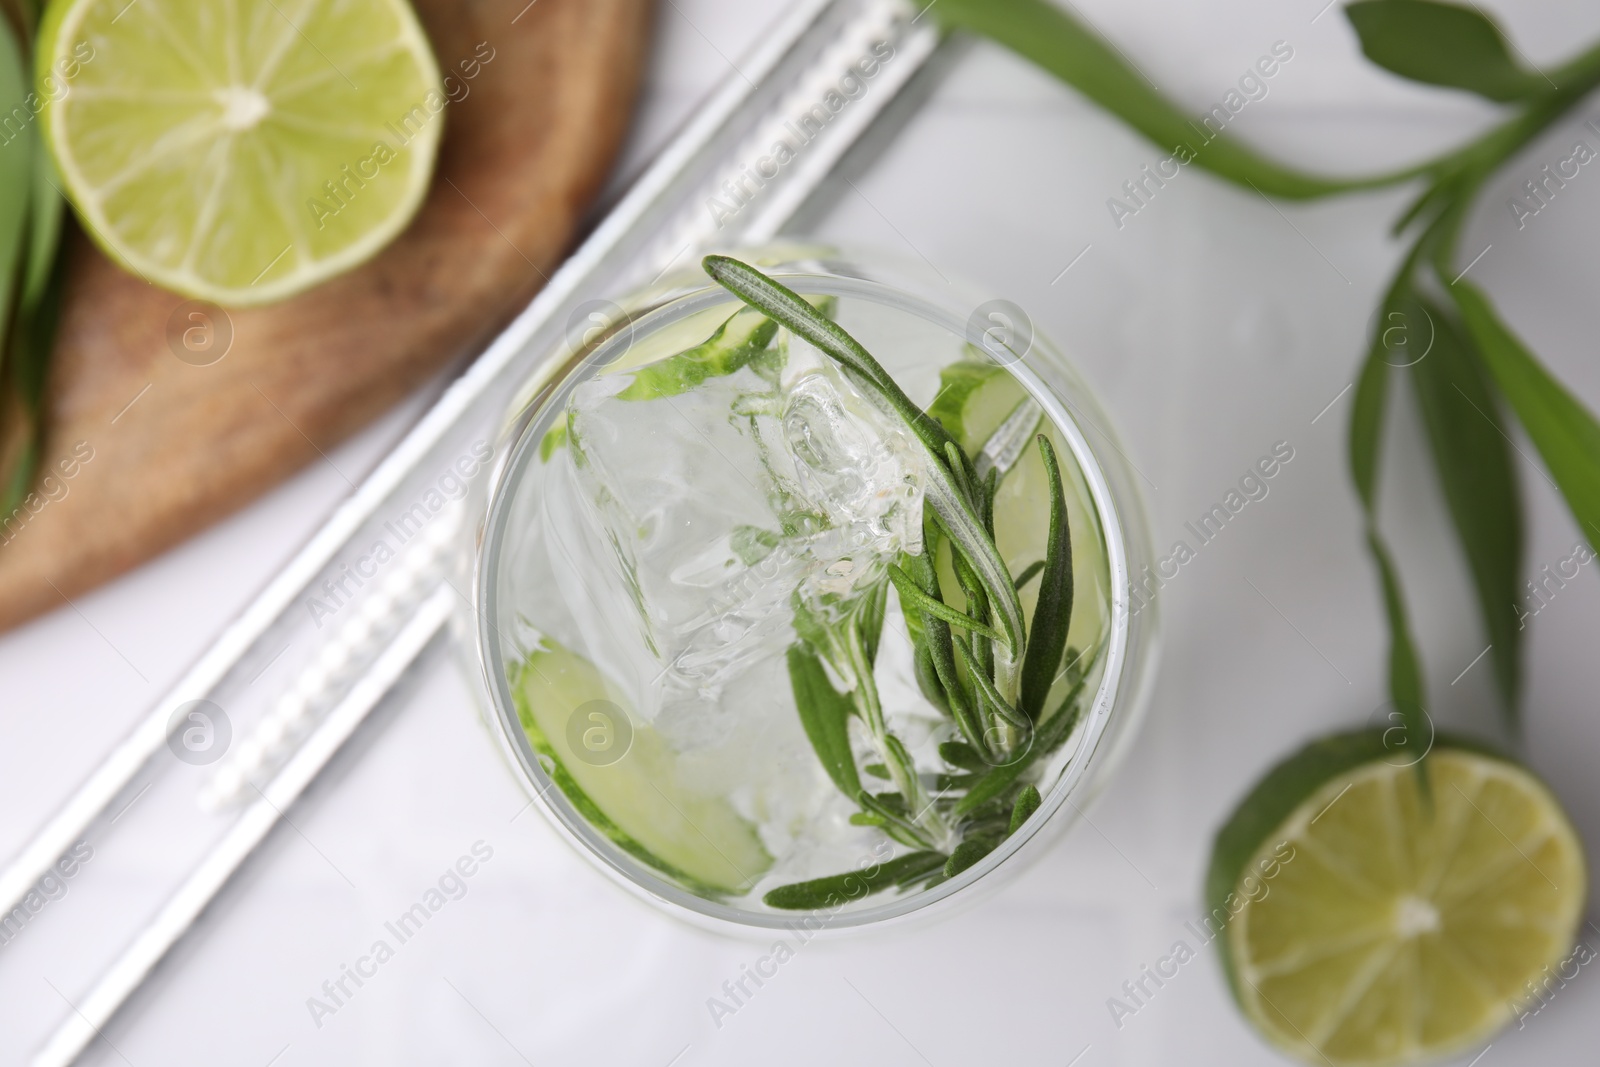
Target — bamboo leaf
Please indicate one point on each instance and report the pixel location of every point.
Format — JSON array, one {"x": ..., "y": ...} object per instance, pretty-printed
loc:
[
  {"x": 18, "y": 225},
  {"x": 838, "y": 889},
  {"x": 1563, "y": 430},
  {"x": 1366, "y": 424},
  {"x": 22, "y": 392},
  {"x": 1472, "y": 455},
  {"x": 1049, "y": 36},
  {"x": 1052, "y": 614},
  {"x": 44, "y": 230},
  {"x": 17, "y": 151},
  {"x": 1366, "y": 435},
  {"x": 1442, "y": 44},
  {"x": 825, "y": 715}
]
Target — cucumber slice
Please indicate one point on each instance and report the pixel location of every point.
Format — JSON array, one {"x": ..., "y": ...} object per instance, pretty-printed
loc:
[{"x": 635, "y": 793}]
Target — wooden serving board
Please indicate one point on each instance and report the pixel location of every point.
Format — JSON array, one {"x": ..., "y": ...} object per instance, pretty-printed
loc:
[{"x": 143, "y": 448}]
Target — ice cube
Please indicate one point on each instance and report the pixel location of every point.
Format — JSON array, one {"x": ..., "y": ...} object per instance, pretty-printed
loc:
[{"x": 684, "y": 524}]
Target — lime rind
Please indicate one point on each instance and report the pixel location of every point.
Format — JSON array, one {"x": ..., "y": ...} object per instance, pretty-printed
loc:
[
  {"x": 197, "y": 140},
  {"x": 1408, "y": 938}
]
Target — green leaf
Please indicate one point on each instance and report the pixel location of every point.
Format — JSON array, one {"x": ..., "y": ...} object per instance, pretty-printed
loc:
[
  {"x": 966, "y": 854},
  {"x": 803, "y": 319},
  {"x": 940, "y": 647},
  {"x": 1366, "y": 435},
  {"x": 927, "y": 673},
  {"x": 838, "y": 889},
  {"x": 972, "y": 541},
  {"x": 825, "y": 715},
  {"x": 1028, "y": 802},
  {"x": 1405, "y": 673},
  {"x": 869, "y": 616},
  {"x": 1442, "y": 44},
  {"x": 812, "y": 630},
  {"x": 1050, "y": 735},
  {"x": 752, "y": 544},
  {"x": 1366, "y": 421},
  {"x": 960, "y": 754},
  {"x": 24, "y": 271},
  {"x": 1046, "y": 34},
  {"x": 1563, "y": 430},
  {"x": 993, "y": 784},
  {"x": 990, "y": 694},
  {"x": 943, "y": 491},
  {"x": 891, "y": 807},
  {"x": 1052, "y": 614},
  {"x": 44, "y": 231},
  {"x": 17, "y": 151},
  {"x": 1473, "y": 457},
  {"x": 31, "y": 341},
  {"x": 912, "y": 598},
  {"x": 1029, "y": 573},
  {"x": 737, "y": 341}
]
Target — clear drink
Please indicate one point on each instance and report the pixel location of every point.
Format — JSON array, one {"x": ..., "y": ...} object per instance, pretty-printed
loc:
[{"x": 707, "y": 620}]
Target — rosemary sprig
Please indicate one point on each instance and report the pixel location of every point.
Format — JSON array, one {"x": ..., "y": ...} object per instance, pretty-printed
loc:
[
  {"x": 956, "y": 509},
  {"x": 979, "y": 664}
]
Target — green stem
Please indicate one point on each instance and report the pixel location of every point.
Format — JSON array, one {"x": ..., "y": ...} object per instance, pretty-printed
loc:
[
  {"x": 893, "y": 755},
  {"x": 1050, "y": 37},
  {"x": 1047, "y": 35}
]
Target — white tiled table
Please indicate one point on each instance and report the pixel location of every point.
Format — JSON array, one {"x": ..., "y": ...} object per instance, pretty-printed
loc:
[{"x": 1213, "y": 324}]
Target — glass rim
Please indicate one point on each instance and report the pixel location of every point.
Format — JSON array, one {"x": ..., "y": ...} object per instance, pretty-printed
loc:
[{"x": 564, "y": 368}]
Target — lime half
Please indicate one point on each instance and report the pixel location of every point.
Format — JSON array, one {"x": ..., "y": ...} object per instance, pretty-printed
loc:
[
  {"x": 240, "y": 152},
  {"x": 1374, "y": 924},
  {"x": 627, "y": 782}
]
